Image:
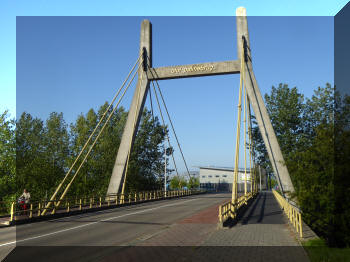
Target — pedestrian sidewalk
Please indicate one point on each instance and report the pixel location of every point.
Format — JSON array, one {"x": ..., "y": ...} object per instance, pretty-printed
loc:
[{"x": 261, "y": 234}]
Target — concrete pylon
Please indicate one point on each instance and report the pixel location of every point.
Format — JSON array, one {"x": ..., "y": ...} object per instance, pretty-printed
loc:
[
  {"x": 135, "y": 112},
  {"x": 258, "y": 105}
]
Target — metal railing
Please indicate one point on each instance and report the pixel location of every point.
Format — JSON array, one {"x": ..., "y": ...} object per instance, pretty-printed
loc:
[
  {"x": 230, "y": 209},
  {"x": 35, "y": 209},
  {"x": 292, "y": 212}
]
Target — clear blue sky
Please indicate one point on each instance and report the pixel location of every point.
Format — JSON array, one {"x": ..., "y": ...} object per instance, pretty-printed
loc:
[
  {"x": 9, "y": 9},
  {"x": 71, "y": 64}
]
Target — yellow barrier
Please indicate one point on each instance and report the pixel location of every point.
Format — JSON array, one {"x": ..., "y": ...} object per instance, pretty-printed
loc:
[
  {"x": 293, "y": 214},
  {"x": 230, "y": 209},
  {"x": 36, "y": 208}
]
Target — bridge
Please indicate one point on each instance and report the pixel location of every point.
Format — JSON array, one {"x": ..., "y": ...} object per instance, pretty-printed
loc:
[
  {"x": 119, "y": 225},
  {"x": 187, "y": 222}
]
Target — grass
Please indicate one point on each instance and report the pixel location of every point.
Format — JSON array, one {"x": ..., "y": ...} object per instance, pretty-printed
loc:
[{"x": 318, "y": 251}]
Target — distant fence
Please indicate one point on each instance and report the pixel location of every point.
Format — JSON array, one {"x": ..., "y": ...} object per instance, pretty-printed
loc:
[
  {"x": 229, "y": 210},
  {"x": 34, "y": 210},
  {"x": 292, "y": 212}
]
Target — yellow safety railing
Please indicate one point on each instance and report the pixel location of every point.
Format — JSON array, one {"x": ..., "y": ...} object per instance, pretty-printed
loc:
[
  {"x": 292, "y": 212},
  {"x": 230, "y": 209},
  {"x": 36, "y": 208}
]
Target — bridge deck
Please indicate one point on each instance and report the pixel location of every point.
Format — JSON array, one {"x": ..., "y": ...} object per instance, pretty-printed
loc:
[
  {"x": 262, "y": 224},
  {"x": 128, "y": 233}
]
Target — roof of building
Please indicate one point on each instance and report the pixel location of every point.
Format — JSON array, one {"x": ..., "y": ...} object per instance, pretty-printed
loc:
[{"x": 223, "y": 168}]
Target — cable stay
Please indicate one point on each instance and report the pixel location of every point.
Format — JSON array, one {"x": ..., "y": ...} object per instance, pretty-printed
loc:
[
  {"x": 53, "y": 197},
  {"x": 167, "y": 136},
  {"x": 162, "y": 117},
  {"x": 164, "y": 126},
  {"x": 249, "y": 144},
  {"x": 154, "y": 73}
]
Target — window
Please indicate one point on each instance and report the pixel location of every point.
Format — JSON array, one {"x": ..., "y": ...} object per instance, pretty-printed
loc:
[
  {"x": 203, "y": 176},
  {"x": 224, "y": 175},
  {"x": 217, "y": 176},
  {"x": 209, "y": 176}
]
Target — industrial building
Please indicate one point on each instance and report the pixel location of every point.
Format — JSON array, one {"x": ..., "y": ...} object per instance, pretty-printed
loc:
[{"x": 221, "y": 178}]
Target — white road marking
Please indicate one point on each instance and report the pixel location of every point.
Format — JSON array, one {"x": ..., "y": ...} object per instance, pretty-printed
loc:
[{"x": 92, "y": 223}]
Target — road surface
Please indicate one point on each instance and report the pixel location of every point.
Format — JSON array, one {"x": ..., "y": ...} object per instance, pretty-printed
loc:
[{"x": 117, "y": 227}]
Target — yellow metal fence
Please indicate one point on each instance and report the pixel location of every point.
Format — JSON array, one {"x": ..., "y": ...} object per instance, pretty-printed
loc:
[
  {"x": 293, "y": 213},
  {"x": 36, "y": 208},
  {"x": 230, "y": 209}
]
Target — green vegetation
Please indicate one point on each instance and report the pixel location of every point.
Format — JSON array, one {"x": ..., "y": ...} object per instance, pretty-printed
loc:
[
  {"x": 36, "y": 154},
  {"x": 314, "y": 136},
  {"x": 7, "y": 161},
  {"x": 179, "y": 182},
  {"x": 318, "y": 251}
]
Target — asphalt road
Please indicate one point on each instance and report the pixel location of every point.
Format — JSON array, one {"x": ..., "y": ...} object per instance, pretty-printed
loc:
[{"x": 122, "y": 226}]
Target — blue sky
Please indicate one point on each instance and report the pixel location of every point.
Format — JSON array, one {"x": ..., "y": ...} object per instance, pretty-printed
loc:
[
  {"x": 71, "y": 64},
  {"x": 9, "y": 9}
]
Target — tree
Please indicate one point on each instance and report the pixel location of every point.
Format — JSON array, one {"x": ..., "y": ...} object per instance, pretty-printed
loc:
[
  {"x": 31, "y": 157},
  {"x": 94, "y": 175},
  {"x": 312, "y": 170},
  {"x": 7, "y": 161},
  {"x": 193, "y": 182},
  {"x": 286, "y": 108},
  {"x": 56, "y": 146},
  {"x": 341, "y": 226},
  {"x": 314, "y": 136},
  {"x": 177, "y": 182},
  {"x": 146, "y": 165}
]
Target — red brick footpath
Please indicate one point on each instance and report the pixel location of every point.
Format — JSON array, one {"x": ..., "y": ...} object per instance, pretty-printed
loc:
[
  {"x": 262, "y": 234},
  {"x": 191, "y": 231}
]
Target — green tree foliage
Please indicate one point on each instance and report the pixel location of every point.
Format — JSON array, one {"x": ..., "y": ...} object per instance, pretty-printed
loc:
[
  {"x": 31, "y": 158},
  {"x": 285, "y": 107},
  {"x": 193, "y": 182},
  {"x": 307, "y": 134},
  {"x": 146, "y": 165},
  {"x": 341, "y": 228},
  {"x": 41, "y": 153},
  {"x": 177, "y": 182},
  {"x": 93, "y": 177},
  {"x": 7, "y": 161}
]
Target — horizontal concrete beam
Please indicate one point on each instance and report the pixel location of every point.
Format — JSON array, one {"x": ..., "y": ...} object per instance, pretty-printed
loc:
[{"x": 194, "y": 70}]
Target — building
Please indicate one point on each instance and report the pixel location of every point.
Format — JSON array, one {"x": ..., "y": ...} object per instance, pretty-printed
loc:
[{"x": 221, "y": 178}]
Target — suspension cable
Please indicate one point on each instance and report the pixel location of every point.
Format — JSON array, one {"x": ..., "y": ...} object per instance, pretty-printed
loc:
[
  {"x": 165, "y": 131},
  {"x": 171, "y": 123},
  {"x": 93, "y": 144},
  {"x": 172, "y": 126},
  {"x": 250, "y": 144},
  {"x": 251, "y": 149},
  {"x": 103, "y": 127},
  {"x": 150, "y": 99},
  {"x": 91, "y": 135},
  {"x": 161, "y": 115},
  {"x": 235, "y": 177}
]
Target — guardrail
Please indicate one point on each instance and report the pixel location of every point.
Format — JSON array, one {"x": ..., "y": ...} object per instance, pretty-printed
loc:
[
  {"x": 292, "y": 212},
  {"x": 230, "y": 209},
  {"x": 69, "y": 205}
]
